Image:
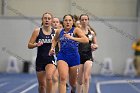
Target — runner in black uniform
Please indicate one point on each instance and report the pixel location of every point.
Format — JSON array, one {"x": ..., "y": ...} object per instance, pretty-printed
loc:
[
  {"x": 85, "y": 51},
  {"x": 42, "y": 39},
  {"x": 42, "y": 51}
]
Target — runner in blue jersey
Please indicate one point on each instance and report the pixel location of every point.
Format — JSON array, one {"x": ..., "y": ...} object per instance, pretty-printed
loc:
[
  {"x": 68, "y": 57},
  {"x": 42, "y": 39}
]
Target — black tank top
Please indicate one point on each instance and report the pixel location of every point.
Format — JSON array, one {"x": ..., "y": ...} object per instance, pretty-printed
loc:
[
  {"x": 43, "y": 50},
  {"x": 86, "y": 47}
]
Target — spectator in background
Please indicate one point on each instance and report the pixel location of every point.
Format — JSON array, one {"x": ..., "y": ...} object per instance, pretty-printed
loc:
[{"x": 136, "y": 47}]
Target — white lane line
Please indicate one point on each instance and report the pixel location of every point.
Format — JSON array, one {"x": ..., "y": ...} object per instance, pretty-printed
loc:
[
  {"x": 3, "y": 84},
  {"x": 29, "y": 88},
  {"x": 21, "y": 86},
  {"x": 130, "y": 82}
]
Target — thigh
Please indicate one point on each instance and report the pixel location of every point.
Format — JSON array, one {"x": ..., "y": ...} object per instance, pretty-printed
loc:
[
  {"x": 87, "y": 68},
  {"x": 50, "y": 68},
  {"x": 80, "y": 73},
  {"x": 55, "y": 75},
  {"x": 41, "y": 76},
  {"x": 73, "y": 74},
  {"x": 62, "y": 69}
]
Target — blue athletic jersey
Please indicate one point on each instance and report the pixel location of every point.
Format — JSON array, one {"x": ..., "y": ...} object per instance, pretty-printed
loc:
[
  {"x": 67, "y": 45},
  {"x": 68, "y": 49}
]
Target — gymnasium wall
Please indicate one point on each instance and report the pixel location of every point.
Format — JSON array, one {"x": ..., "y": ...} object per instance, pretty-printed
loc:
[
  {"x": 138, "y": 9},
  {"x": 114, "y": 8},
  {"x": 0, "y": 7},
  {"x": 114, "y": 44}
]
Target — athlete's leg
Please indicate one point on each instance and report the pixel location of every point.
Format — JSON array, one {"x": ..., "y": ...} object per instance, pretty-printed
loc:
[
  {"x": 63, "y": 74},
  {"x": 55, "y": 81},
  {"x": 80, "y": 79},
  {"x": 87, "y": 75},
  {"x": 73, "y": 77},
  {"x": 50, "y": 68},
  {"x": 41, "y": 76}
]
